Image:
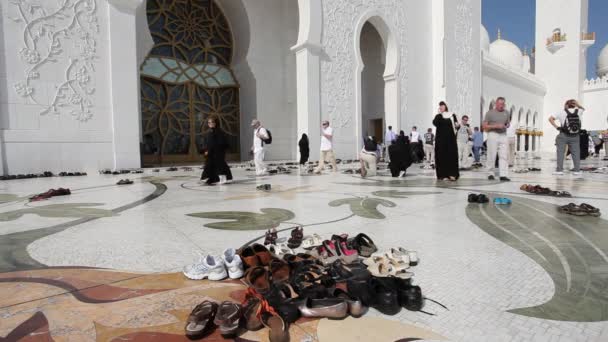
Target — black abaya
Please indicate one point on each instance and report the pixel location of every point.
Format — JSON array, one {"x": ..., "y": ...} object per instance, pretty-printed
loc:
[
  {"x": 401, "y": 156},
  {"x": 216, "y": 144},
  {"x": 304, "y": 151},
  {"x": 446, "y": 148}
]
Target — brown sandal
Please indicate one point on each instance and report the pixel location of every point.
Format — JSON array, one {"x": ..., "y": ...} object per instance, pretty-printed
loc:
[{"x": 200, "y": 322}]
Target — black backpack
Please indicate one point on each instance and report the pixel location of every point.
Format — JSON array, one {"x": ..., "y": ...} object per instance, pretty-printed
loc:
[
  {"x": 370, "y": 145},
  {"x": 573, "y": 123},
  {"x": 269, "y": 140}
]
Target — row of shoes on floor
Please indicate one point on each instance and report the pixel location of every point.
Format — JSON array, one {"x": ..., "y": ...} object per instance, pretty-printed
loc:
[
  {"x": 312, "y": 284},
  {"x": 526, "y": 170},
  {"x": 539, "y": 190},
  {"x": 50, "y": 193},
  {"x": 120, "y": 172},
  {"x": 45, "y": 174}
]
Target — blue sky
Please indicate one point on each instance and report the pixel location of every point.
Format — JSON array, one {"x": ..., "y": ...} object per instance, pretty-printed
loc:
[{"x": 516, "y": 20}]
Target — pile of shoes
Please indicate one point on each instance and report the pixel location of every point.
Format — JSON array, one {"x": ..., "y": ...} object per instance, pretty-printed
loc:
[
  {"x": 264, "y": 187},
  {"x": 478, "y": 198},
  {"x": 305, "y": 277},
  {"x": 50, "y": 193},
  {"x": 477, "y": 165},
  {"x": 539, "y": 190},
  {"x": 125, "y": 181},
  {"x": 580, "y": 210}
]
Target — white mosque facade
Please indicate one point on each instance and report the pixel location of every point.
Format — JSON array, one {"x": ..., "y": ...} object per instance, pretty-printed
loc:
[{"x": 94, "y": 84}]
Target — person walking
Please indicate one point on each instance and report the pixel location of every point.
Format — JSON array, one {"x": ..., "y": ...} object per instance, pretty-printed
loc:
[
  {"x": 569, "y": 135},
  {"x": 495, "y": 123},
  {"x": 260, "y": 136},
  {"x": 327, "y": 149},
  {"x": 477, "y": 145},
  {"x": 368, "y": 157},
  {"x": 389, "y": 138},
  {"x": 512, "y": 136},
  {"x": 446, "y": 147},
  {"x": 429, "y": 146},
  {"x": 462, "y": 138},
  {"x": 304, "y": 150},
  {"x": 215, "y": 145},
  {"x": 415, "y": 144}
]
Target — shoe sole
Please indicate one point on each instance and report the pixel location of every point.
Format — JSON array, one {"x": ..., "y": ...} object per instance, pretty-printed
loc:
[
  {"x": 195, "y": 277},
  {"x": 236, "y": 275},
  {"x": 217, "y": 277}
]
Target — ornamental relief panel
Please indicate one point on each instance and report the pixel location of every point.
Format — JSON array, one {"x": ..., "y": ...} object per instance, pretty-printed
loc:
[
  {"x": 339, "y": 64},
  {"x": 57, "y": 34},
  {"x": 464, "y": 55}
]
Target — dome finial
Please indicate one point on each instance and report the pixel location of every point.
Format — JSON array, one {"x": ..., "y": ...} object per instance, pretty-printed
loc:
[{"x": 499, "y": 34}]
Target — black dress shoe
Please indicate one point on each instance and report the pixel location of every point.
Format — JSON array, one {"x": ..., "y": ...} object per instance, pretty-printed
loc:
[
  {"x": 504, "y": 179},
  {"x": 384, "y": 298},
  {"x": 491, "y": 177},
  {"x": 473, "y": 198}
]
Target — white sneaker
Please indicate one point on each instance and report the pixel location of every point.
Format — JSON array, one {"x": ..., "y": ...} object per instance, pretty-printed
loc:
[
  {"x": 217, "y": 270},
  {"x": 577, "y": 173},
  {"x": 222, "y": 179},
  {"x": 198, "y": 270},
  {"x": 233, "y": 263},
  {"x": 558, "y": 173}
]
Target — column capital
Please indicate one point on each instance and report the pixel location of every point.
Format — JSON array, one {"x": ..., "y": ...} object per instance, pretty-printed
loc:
[{"x": 127, "y": 6}]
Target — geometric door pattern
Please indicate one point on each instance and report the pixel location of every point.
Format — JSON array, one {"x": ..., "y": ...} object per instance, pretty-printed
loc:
[{"x": 185, "y": 78}]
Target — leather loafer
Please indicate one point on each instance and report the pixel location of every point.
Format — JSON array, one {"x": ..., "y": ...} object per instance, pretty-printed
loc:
[
  {"x": 250, "y": 259},
  {"x": 262, "y": 253}
]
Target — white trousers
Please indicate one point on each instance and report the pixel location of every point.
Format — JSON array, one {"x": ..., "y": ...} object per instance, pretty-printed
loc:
[
  {"x": 258, "y": 159},
  {"x": 464, "y": 150},
  {"x": 512, "y": 147},
  {"x": 498, "y": 144},
  {"x": 429, "y": 152}
]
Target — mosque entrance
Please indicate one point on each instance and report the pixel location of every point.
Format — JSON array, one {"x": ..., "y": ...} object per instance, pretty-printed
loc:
[
  {"x": 186, "y": 78},
  {"x": 373, "y": 55}
]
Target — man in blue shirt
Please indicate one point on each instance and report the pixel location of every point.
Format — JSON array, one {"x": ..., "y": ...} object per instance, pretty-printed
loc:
[{"x": 477, "y": 144}]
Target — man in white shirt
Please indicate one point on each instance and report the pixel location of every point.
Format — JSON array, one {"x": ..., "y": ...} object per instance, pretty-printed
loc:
[
  {"x": 259, "y": 135},
  {"x": 389, "y": 137},
  {"x": 415, "y": 143},
  {"x": 512, "y": 136},
  {"x": 327, "y": 149}
]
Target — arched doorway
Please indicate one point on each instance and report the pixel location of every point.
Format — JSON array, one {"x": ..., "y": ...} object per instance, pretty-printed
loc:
[
  {"x": 186, "y": 78},
  {"x": 389, "y": 53},
  {"x": 373, "y": 55}
]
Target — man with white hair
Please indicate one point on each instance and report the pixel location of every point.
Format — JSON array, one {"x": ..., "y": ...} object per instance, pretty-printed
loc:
[
  {"x": 260, "y": 135},
  {"x": 327, "y": 149}
]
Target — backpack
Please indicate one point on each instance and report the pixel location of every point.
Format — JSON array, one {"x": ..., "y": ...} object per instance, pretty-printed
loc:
[
  {"x": 269, "y": 140},
  {"x": 370, "y": 145},
  {"x": 573, "y": 123}
]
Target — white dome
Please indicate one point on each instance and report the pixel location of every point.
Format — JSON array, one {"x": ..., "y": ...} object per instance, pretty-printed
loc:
[
  {"x": 602, "y": 62},
  {"x": 484, "y": 40},
  {"x": 506, "y": 53}
]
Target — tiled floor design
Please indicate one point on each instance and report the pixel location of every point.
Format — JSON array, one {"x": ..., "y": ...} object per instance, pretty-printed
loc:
[{"x": 518, "y": 273}]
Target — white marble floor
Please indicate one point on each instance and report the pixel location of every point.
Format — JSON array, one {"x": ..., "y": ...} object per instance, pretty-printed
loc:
[{"x": 466, "y": 264}]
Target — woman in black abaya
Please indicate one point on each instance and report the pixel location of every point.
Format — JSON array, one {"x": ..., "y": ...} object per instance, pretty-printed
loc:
[
  {"x": 401, "y": 156},
  {"x": 446, "y": 148},
  {"x": 304, "y": 149},
  {"x": 215, "y": 146}
]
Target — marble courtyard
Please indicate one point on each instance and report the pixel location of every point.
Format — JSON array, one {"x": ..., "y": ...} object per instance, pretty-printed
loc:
[{"x": 103, "y": 264}]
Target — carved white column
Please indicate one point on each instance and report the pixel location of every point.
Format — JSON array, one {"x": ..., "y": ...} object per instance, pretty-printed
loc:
[
  {"x": 308, "y": 71},
  {"x": 124, "y": 75}
]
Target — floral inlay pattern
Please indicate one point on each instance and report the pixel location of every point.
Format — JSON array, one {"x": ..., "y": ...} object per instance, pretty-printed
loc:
[{"x": 63, "y": 33}]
